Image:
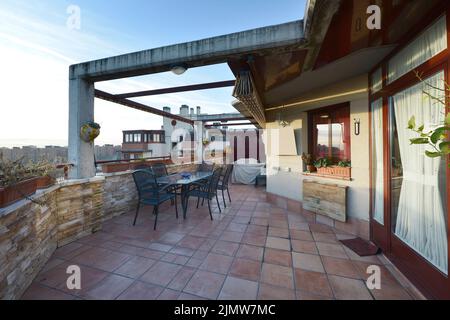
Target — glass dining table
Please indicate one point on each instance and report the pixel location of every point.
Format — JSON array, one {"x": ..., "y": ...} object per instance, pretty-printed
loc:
[{"x": 185, "y": 181}]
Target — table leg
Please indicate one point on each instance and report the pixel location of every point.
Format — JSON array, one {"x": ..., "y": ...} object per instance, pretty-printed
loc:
[{"x": 184, "y": 190}]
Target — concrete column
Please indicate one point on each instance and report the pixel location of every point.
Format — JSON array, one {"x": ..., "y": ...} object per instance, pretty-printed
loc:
[
  {"x": 81, "y": 110},
  {"x": 198, "y": 141}
]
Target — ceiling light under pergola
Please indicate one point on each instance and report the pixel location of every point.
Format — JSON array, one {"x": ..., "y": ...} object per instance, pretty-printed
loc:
[{"x": 179, "y": 69}]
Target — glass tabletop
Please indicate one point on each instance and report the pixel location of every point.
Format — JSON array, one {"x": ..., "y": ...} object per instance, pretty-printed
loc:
[{"x": 178, "y": 179}]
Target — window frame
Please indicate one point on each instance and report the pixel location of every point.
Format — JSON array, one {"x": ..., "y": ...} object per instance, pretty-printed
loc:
[{"x": 333, "y": 111}]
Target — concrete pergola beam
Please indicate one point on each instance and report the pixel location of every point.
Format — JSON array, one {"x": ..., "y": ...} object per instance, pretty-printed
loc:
[{"x": 194, "y": 54}]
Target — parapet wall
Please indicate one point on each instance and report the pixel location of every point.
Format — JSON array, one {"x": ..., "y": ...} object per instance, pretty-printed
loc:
[{"x": 31, "y": 232}]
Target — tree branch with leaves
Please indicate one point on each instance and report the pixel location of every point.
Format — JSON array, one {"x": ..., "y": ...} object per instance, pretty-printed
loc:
[{"x": 437, "y": 138}]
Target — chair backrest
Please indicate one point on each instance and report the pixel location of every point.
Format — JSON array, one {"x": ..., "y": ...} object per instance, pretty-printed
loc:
[
  {"x": 214, "y": 181},
  {"x": 146, "y": 184},
  {"x": 143, "y": 167},
  {"x": 227, "y": 175},
  {"x": 205, "y": 167},
  {"x": 159, "y": 170}
]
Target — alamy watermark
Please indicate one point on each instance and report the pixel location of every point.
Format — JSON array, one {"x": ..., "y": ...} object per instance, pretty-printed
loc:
[
  {"x": 374, "y": 280},
  {"x": 74, "y": 280},
  {"x": 374, "y": 20},
  {"x": 73, "y": 21}
]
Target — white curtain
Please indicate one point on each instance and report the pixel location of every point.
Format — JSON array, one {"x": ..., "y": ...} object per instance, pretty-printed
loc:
[
  {"x": 377, "y": 160},
  {"x": 428, "y": 44},
  {"x": 421, "y": 215}
]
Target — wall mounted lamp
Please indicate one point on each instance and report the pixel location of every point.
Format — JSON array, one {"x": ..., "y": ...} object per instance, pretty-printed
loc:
[{"x": 357, "y": 125}]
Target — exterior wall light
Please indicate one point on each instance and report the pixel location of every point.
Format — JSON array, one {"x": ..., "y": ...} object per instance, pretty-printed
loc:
[
  {"x": 281, "y": 120},
  {"x": 357, "y": 124}
]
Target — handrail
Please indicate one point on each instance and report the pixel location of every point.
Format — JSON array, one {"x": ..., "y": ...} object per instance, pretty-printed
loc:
[{"x": 132, "y": 160}]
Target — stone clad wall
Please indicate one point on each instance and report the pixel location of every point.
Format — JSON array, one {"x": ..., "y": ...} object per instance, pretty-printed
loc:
[
  {"x": 80, "y": 210},
  {"x": 27, "y": 240},
  {"x": 30, "y": 233},
  {"x": 119, "y": 196}
]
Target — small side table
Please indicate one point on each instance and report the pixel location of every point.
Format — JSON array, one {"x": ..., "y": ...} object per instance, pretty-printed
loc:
[{"x": 261, "y": 180}]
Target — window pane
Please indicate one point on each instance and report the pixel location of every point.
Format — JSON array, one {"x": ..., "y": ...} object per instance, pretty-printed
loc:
[
  {"x": 323, "y": 146},
  {"x": 431, "y": 42},
  {"x": 377, "y": 80},
  {"x": 338, "y": 147},
  {"x": 419, "y": 188},
  {"x": 377, "y": 161}
]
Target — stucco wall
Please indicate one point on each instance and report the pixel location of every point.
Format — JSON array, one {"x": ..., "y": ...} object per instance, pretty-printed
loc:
[{"x": 287, "y": 180}]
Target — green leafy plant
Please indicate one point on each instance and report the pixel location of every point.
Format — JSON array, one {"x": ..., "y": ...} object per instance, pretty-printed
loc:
[
  {"x": 12, "y": 172},
  {"x": 94, "y": 125},
  {"x": 41, "y": 169},
  {"x": 344, "y": 164},
  {"x": 436, "y": 138},
  {"x": 322, "y": 163}
]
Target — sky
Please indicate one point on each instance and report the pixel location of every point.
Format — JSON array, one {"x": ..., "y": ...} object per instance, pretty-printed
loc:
[{"x": 37, "y": 47}]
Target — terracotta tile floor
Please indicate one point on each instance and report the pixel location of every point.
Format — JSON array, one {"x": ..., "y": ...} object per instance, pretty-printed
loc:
[{"x": 252, "y": 250}]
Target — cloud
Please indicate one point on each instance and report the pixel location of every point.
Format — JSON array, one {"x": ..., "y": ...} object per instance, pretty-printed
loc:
[{"x": 36, "y": 55}]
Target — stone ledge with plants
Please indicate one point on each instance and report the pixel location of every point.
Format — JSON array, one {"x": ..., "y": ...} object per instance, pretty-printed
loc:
[
  {"x": 20, "y": 181},
  {"x": 326, "y": 167}
]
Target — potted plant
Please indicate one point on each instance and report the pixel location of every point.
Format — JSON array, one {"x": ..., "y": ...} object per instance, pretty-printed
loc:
[
  {"x": 323, "y": 166},
  {"x": 16, "y": 182},
  {"x": 308, "y": 161},
  {"x": 343, "y": 168},
  {"x": 89, "y": 131}
]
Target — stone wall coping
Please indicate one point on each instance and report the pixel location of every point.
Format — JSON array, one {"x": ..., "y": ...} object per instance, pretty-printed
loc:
[
  {"x": 21, "y": 203},
  {"x": 40, "y": 193},
  {"x": 72, "y": 182},
  {"x": 114, "y": 174}
]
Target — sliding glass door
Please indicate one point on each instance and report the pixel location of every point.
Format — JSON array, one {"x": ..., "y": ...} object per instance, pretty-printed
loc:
[{"x": 418, "y": 186}]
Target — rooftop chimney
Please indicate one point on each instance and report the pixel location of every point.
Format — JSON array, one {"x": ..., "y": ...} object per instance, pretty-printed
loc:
[
  {"x": 199, "y": 110},
  {"x": 166, "y": 109},
  {"x": 192, "y": 111},
  {"x": 184, "y": 110}
]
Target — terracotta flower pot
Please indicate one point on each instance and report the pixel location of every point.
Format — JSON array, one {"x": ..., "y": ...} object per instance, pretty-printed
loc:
[
  {"x": 44, "y": 182},
  {"x": 310, "y": 168},
  {"x": 16, "y": 192},
  {"x": 335, "y": 171}
]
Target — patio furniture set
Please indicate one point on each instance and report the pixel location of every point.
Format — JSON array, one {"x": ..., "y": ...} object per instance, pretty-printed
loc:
[{"x": 155, "y": 186}]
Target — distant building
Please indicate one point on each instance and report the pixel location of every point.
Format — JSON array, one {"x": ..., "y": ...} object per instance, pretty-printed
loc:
[
  {"x": 139, "y": 144},
  {"x": 176, "y": 139}
]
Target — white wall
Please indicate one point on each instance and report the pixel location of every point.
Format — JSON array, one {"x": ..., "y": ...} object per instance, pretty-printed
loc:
[{"x": 289, "y": 184}]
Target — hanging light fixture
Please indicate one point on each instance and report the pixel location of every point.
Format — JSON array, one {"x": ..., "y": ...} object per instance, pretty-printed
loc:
[
  {"x": 281, "y": 120},
  {"x": 179, "y": 69}
]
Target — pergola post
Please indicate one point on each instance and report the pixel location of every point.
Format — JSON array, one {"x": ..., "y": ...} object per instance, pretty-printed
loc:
[{"x": 81, "y": 110}]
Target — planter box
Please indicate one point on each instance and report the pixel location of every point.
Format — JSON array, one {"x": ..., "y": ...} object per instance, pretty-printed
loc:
[
  {"x": 19, "y": 191},
  {"x": 115, "y": 167},
  {"x": 44, "y": 182},
  {"x": 125, "y": 166},
  {"x": 336, "y": 171}
]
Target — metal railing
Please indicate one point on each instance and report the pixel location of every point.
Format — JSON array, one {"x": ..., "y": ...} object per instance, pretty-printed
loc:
[{"x": 133, "y": 160}]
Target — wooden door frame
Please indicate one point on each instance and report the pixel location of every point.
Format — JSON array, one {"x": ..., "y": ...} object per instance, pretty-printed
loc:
[{"x": 433, "y": 283}]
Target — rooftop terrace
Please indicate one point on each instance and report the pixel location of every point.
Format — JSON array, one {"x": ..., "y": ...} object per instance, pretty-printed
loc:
[{"x": 253, "y": 250}]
